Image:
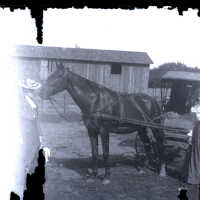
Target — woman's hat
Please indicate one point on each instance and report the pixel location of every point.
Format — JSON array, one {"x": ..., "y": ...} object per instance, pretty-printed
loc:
[{"x": 30, "y": 84}]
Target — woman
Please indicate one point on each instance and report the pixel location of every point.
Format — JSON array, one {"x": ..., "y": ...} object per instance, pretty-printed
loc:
[
  {"x": 29, "y": 87},
  {"x": 191, "y": 166}
]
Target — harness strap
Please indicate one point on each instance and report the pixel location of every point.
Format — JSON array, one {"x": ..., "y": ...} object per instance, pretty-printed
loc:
[
  {"x": 181, "y": 131},
  {"x": 53, "y": 104},
  {"x": 131, "y": 121},
  {"x": 102, "y": 109},
  {"x": 144, "y": 115},
  {"x": 121, "y": 107}
]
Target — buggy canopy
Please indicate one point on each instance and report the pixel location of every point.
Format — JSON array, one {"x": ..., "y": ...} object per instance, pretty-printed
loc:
[
  {"x": 181, "y": 85},
  {"x": 185, "y": 76}
]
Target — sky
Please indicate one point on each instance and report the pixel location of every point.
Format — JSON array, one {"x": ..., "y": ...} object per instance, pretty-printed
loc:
[{"x": 164, "y": 34}]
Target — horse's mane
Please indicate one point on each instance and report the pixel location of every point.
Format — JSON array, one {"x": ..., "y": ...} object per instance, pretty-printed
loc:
[
  {"x": 93, "y": 85},
  {"x": 96, "y": 86}
]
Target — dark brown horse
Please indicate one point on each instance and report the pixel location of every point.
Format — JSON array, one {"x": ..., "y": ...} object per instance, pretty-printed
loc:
[{"x": 94, "y": 100}]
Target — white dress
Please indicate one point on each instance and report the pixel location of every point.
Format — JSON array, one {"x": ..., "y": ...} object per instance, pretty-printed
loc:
[{"x": 195, "y": 109}]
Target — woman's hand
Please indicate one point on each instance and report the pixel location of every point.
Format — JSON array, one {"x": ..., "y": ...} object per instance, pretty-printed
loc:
[{"x": 190, "y": 140}]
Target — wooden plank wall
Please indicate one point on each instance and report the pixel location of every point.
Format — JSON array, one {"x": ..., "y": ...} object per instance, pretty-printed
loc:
[
  {"x": 28, "y": 69},
  {"x": 32, "y": 68},
  {"x": 132, "y": 79},
  {"x": 135, "y": 79}
]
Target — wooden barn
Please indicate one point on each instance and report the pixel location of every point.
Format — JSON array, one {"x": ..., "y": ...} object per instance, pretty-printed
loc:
[{"x": 121, "y": 71}]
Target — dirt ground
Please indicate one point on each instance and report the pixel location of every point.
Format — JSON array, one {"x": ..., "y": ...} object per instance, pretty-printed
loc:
[{"x": 70, "y": 151}]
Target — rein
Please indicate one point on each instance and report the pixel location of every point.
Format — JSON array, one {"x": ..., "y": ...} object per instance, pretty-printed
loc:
[
  {"x": 52, "y": 101},
  {"x": 127, "y": 120},
  {"x": 181, "y": 131}
]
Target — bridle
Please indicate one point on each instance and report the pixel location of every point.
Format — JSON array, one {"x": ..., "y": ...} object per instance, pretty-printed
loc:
[{"x": 53, "y": 103}]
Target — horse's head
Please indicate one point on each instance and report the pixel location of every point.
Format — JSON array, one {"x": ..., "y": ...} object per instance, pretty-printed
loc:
[{"x": 55, "y": 83}]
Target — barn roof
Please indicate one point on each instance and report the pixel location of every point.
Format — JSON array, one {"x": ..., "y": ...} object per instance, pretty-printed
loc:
[
  {"x": 176, "y": 75},
  {"x": 84, "y": 55}
]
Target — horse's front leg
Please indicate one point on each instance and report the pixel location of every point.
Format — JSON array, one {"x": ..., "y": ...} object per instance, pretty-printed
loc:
[
  {"x": 105, "y": 147},
  {"x": 94, "y": 146}
]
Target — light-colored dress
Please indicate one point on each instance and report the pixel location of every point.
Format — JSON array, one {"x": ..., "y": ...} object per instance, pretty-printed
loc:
[
  {"x": 191, "y": 169},
  {"x": 195, "y": 109}
]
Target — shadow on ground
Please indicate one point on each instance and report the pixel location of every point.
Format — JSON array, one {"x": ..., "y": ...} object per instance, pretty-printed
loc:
[{"x": 81, "y": 165}]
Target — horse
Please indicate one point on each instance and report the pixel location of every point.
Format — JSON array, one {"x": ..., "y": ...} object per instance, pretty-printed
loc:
[{"x": 95, "y": 101}]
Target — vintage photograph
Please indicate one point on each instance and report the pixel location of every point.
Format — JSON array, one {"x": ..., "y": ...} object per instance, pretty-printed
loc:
[{"x": 107, "y": 108}]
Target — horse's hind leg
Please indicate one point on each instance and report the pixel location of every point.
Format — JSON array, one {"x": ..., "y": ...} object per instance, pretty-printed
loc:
[
  {"x": 105, "y": 147},
  {"x": 94, "y": 146},
  {"x": 159, "y": 136},
  {"x": 142, "y": 132}
]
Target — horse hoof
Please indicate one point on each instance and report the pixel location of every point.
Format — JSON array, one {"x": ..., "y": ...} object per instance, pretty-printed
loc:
[
  {"x": 89, "y": 171},
  {"x": 142, "y": 172},
  {"x": 163, "y": 171},
  {"x": 90, "y": 180},
  {"x": 163, "y": 174},
  {"x": 106, "y": 182}
]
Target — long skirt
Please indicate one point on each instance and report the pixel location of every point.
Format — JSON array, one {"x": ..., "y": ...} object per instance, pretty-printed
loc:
[{"x": 191, "y": 166}]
